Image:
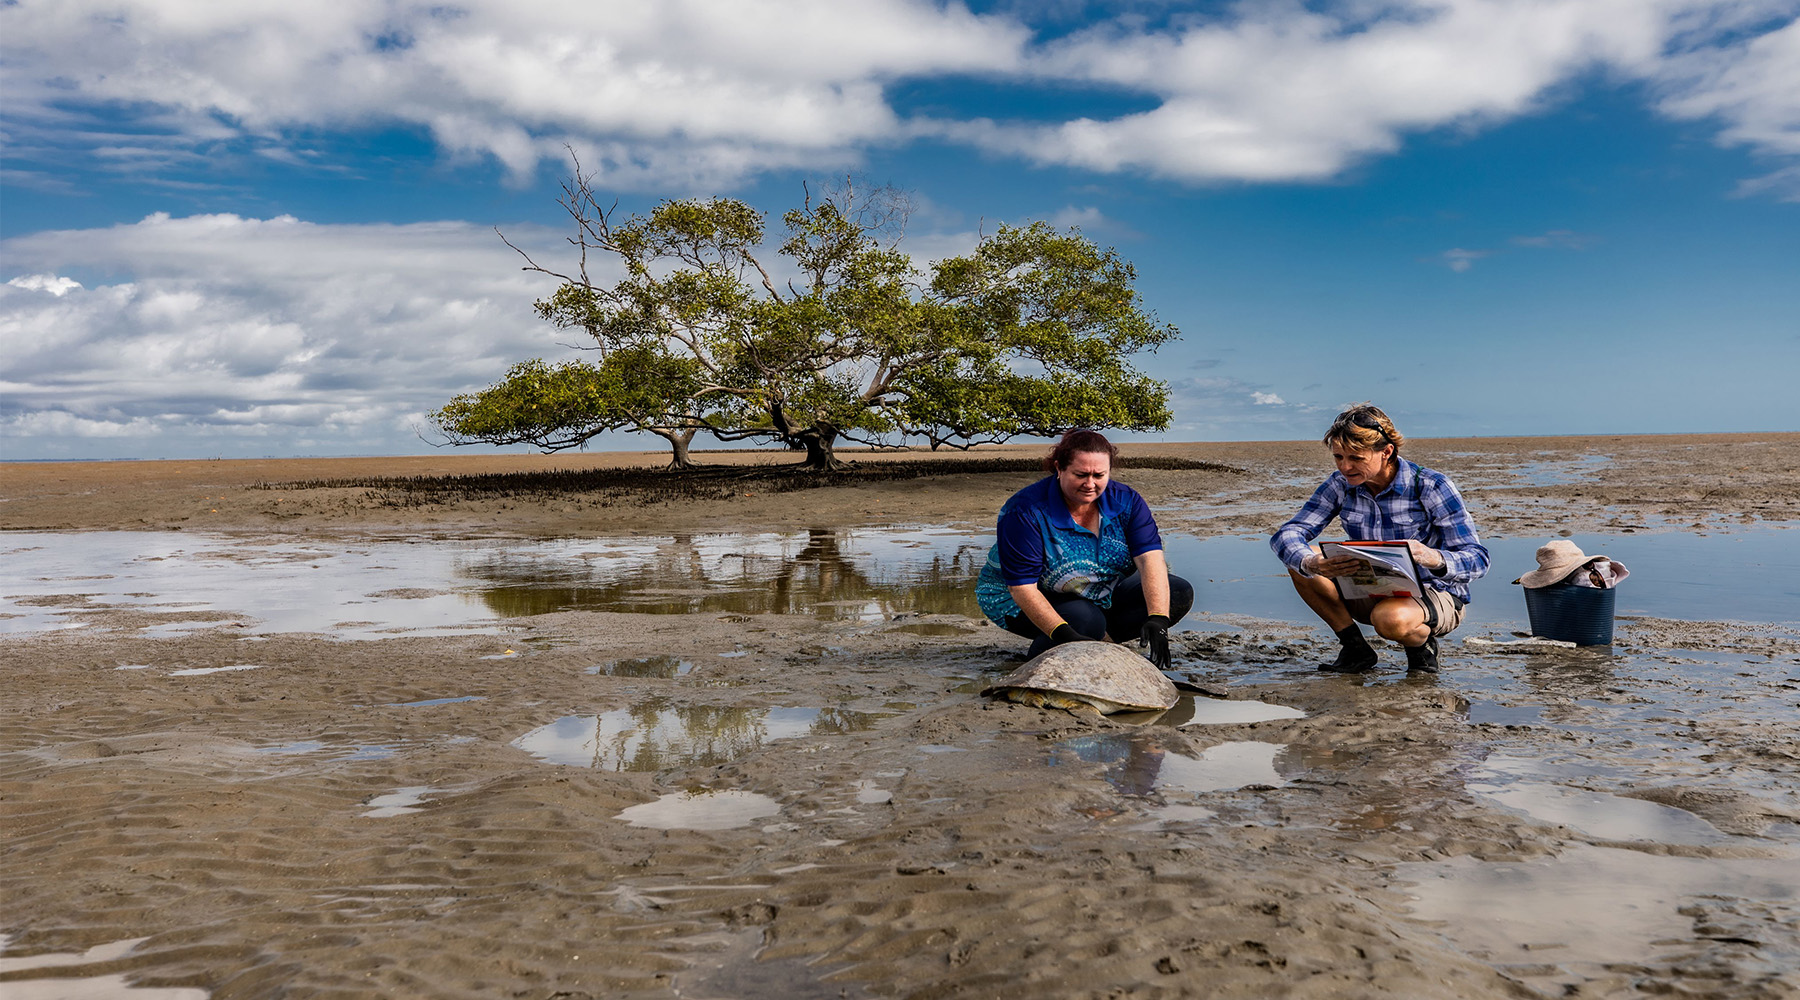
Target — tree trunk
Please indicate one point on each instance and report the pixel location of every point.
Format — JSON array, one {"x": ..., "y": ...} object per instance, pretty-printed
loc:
[
  {"x": 818, "y": 441},
  {"x": 678, "y": 444}
]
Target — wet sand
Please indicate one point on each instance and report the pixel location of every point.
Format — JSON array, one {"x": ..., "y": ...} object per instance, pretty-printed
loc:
[{"x": 299, "y": 814}]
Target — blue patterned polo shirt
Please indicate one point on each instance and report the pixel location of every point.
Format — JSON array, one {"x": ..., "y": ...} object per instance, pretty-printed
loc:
[{"x": 1040, "y": 543}]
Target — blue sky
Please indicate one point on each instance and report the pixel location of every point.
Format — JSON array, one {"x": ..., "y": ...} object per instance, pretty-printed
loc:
[{"x": 248, "y": 230}]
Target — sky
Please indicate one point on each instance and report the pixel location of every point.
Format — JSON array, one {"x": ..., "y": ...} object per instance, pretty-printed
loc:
[{"x": 256, "y": 229}]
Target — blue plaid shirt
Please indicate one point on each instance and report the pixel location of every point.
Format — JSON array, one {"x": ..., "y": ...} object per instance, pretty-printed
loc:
[{"x": 1419, "y": 503}]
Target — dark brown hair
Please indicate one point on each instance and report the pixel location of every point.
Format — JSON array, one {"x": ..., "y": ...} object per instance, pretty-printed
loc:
[{"x": 1076, "y": 442}]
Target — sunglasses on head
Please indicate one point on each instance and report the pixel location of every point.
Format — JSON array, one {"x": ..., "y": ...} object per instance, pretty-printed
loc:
[{"x": 1368, "y": 423}]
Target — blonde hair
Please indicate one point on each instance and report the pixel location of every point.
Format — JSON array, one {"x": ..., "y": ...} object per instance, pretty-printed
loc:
[{"x": 1364, "y": 427}]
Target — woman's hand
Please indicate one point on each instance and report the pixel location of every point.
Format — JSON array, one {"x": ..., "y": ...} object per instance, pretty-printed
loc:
[
  {"x": 1156, "y": 641},
  {"x": 1318, "y": 565},
  {"x": 1425, "y": 555}
]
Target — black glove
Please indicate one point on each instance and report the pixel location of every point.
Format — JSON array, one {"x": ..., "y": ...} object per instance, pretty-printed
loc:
[
  {"x": 1065, "y": 633},
  {"x": 1156, "y": 641}
]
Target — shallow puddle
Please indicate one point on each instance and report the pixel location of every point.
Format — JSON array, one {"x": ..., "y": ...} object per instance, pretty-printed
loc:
[
  {"x": 1632, "y": 718},
  {"x": 1214, "y": 712},
  {"x": 109, "y": 987},
  {"x": 370, "y": 590},
  {"x": 701, "y": 810},
  {"x": 1528, "y": 786},
  {"x": 1606, "y": 817},
  {"x": 381, "y": 588},
  {"x": 109, "y": 952},
  {"x": 933, "y": 628},
  {"x": 661, "y": 734},
  {"x": 400, "y": 801},
  {"x": 1137, "y": 764},
  {"x": 113, "y": 987},
  {"x": 1557, "y": 471},
  {"x": 1228, "y": 766},
  {"x": 857, "y": 575},
  {"x": 662, "y": 667},
  {"x": 1729, "y": 576},
  {"x": 1486, "y": 713},
  {"x": 1567, "y": 919},
  {"x": 338, "y": 751}
]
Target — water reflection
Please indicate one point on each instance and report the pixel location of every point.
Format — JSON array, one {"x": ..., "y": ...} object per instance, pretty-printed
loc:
[
  {"x": 1191, "y": 711},
  {"x": 817, "y": 575},
  {"x": 1241, "y": 764},
  {"x": 659, "y": 734},
  {"x": 1532, "y": 786},
  {"x": 1598, "y": 814},
  {"x": 400, "y": 802},
  {"x": 933, "y": 628},
  {"x": 109, "y": 987},
  {"x": 660, "y": 667},
  {"x": 1558, "y": 471},
  {"x": 1557, "y": 922},
  {"x": 1132, "y": 764},
  {"x": 374, "y": 589},
  {"x": 703, "y": 809},
  {"x": 1138, "y": 764},
  {"x": 1739, "y": 576}
]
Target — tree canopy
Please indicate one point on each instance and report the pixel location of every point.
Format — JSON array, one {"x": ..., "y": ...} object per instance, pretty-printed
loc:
[{"x": 695, "y": 333}]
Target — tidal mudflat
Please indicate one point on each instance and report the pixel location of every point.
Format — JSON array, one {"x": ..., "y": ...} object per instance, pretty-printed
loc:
[{"x": 264, "y": 739}]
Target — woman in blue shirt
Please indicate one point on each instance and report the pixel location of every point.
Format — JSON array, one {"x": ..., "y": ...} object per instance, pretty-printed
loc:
[{"x": 1079, "y": 557}]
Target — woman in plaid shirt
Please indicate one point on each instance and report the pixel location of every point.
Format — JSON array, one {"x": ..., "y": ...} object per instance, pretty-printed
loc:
[{"x": 1379, "y": 496}]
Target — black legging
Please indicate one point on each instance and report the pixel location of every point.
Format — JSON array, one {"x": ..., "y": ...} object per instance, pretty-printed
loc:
[{"x": 1123, "y": 621}]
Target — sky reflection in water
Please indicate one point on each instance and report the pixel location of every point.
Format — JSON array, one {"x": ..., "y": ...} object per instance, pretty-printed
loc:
[
  {"x": 659, "y": 734},
  {"x": 380, "y": 588}
]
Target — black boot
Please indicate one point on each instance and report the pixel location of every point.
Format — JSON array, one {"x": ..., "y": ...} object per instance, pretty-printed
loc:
[
  {"x": 1423, "y": 658},
  {"x": 1356, "y": 656}
]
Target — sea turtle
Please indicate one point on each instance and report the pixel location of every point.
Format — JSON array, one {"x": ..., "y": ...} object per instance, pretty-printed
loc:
[{"x": 1088, "y": 677}]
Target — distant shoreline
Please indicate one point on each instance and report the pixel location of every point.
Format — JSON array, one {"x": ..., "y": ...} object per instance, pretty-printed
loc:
[
  {"x": 917, "y": 450},
  {"x": 1520, "y": 484}
]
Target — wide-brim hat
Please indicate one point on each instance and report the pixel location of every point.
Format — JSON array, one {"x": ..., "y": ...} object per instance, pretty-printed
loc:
[{"x": 1556, "y": 560}]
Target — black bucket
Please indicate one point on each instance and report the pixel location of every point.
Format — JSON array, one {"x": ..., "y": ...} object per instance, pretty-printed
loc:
[{"x": 1581, "y": 615}]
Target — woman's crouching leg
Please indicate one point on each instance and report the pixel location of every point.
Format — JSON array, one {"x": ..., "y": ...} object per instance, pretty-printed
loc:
[
  {"x": 1082, "y": 615},
  {"x": 1125, "y": 619}
]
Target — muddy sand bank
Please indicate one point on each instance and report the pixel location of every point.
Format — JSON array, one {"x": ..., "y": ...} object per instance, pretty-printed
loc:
[{"x": 714, "y": 788}]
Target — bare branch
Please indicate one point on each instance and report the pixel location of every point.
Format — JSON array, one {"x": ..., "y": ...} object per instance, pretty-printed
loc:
[
  {"x": 531, "y": 265},
  {"x": 768, "y": 283}
]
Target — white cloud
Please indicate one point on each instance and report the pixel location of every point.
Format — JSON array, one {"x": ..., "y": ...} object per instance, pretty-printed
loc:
[
  {"x": 55, "y": 285},
  {"x": 1093, "y": 223},
  {"x": 1752, "y": 88},
  {"x": 705, "y": 86},
  {"x": 1783, "y": 184},
  {"x": 684, "y": 94},
  {"x": 1281, "y": 92},
  {"x": 251, "y": 335},
  {"x": 1221, "y": 407}
]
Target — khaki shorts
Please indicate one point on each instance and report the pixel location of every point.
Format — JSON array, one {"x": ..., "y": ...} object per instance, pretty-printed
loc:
[{"x": 1449, "y": 609}]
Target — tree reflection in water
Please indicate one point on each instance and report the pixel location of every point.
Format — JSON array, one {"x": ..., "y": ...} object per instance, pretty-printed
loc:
[
  {"x": 661, "y": 667},
  {"x": 691, "y": 574},
  {"x": 659, "y": 733}
]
